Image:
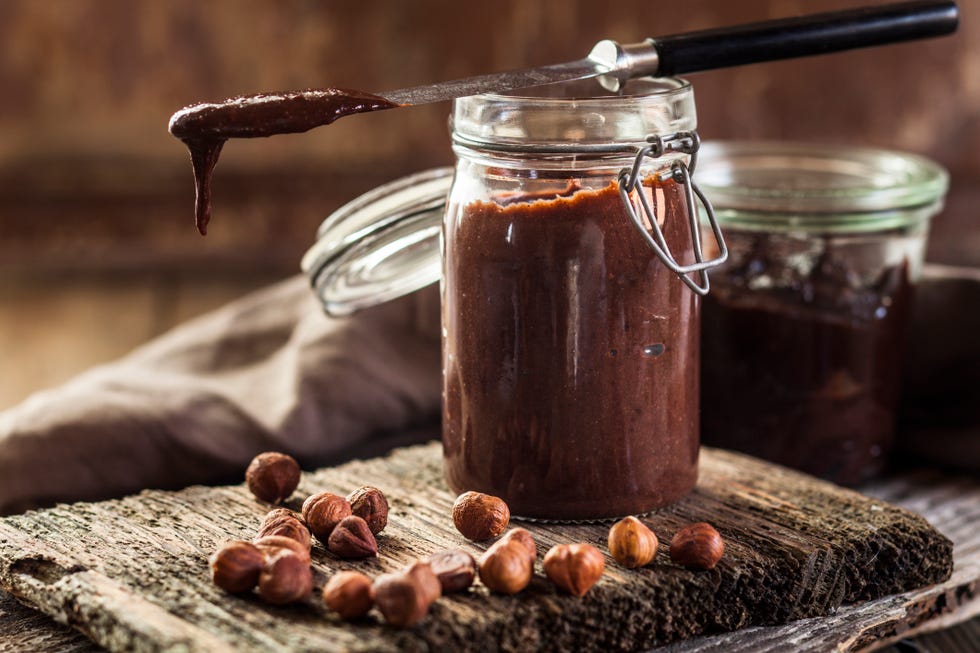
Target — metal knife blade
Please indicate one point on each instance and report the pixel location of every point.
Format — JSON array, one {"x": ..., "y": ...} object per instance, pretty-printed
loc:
[
  {"x": 771, "y": 40},
  {"x": 608, "y": 61}
]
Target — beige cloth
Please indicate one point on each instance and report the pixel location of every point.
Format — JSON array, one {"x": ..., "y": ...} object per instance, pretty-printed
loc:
[
  {"x": 268, "y": 372},
  {"x": 272, "y": 372}
]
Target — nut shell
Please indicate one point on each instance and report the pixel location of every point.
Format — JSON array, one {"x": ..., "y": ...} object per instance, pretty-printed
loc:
[
  {"x": 286, "y": 523},
  {"x": 323, "y": 511},
  {"x": 350, "y": 594},
  {"x": 506, "y": 567},
  {"x": 631, "y": 543},
  {"x": 285, "y": 578},
  {"x": 524, "y": 537},
  {"x": 425, "y": 578},
  {"x": 480, "y": 516},
  {"x": 455, "y": 569},
  {"x": 402, "y": 599},
  {"x": 574, "y": 567},
  {"x": 698, "y": 546},
  {"x": 352, "y": 538},
  {"x": 371, "y": 505},
  {"x": 236, "y": 566},
  {"x": 270, "y": 545},
  {"x": 272, "y": 476}
]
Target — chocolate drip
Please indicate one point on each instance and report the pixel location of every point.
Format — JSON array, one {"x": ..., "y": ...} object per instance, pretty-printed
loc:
[{"x": 205, "y": 127}]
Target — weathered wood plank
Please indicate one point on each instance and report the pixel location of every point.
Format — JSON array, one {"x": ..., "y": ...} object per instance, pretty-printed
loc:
[
  {"x": 132, "y": 573},
  {"x": 26, "y": 629},
  {"x": 952, "y": 505}
]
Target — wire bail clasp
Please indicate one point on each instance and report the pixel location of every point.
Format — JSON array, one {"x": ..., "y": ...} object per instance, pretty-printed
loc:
[{"x": 686, "y": 142}]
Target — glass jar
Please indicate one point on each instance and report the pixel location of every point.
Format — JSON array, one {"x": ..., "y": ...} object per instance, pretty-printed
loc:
[
  {"x": 571, "y": 271},
  {"x": 570, "y": 350},
  {"x": 805, "y": 327}
]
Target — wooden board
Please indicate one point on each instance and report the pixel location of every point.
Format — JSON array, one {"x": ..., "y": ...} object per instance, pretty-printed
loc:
[{"x": 132, "y": 573}]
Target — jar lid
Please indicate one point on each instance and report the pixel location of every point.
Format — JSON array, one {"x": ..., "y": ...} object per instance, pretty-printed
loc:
[
  {"x": 381, "y": 245},
  {"x": 810, "y": 185}
]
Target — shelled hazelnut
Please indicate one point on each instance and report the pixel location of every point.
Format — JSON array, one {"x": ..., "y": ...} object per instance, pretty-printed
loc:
[
  {"x": 352, "y": 538},
  {"x": 404, "y": 598},
  {"x": 507, "y": 566},
  {"x": 480, "y": 516},
  {"x": 285, "y": 578},
  {"x": 631, "y": 543},
  {"x": 272, "y": 544},
  {"x": 698, "y": 546},
  {"x": 369, "y": 503},
  {"x": 524, "y": 537},
  {"x": 272, "y": 476},
  {"x": 236, "y": 566},
  {"x": 421, "y": 572},
  {"x": 285, "y": 522},
  {"x": 455, "y": 569},
  {"x": 350, "y": 594},
  {"x": 574, "y": 567},
  {"x": 323, "y": 511}
]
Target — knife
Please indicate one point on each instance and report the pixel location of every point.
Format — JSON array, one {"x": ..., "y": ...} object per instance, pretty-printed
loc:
[
  {"x": 205, "y": 127},
  {"x": 613, "y": 64}
]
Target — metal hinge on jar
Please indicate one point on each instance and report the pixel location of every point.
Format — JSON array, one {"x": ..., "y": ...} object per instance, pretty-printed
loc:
[{"x": 686, "y": 142}]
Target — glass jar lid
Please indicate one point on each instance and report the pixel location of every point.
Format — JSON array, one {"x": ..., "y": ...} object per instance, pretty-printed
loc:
[
  {"x": 784, "y": 186},
  {"x": 381, "y": 245}
]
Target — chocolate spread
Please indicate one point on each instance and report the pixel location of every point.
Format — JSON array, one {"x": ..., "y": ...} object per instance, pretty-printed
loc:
[
  {"x": 570, "y": 355},
  {"x": 804, "y": 369},
  {"x": 205, "y": 127}
]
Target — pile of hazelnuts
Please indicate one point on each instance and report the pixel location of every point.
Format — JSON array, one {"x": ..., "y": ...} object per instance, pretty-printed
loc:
[
  {"x": 277, "y": 561},
  {"x": 508, "y": 565}
]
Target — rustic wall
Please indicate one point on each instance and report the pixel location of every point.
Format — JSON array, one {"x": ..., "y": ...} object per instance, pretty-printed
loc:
[
  {"x": 89, "y": 85},
  {"x": 91, "y": 181}
]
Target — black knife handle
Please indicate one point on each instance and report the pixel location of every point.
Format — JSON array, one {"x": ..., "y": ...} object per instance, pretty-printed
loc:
[{"x": 804, "y": 36}]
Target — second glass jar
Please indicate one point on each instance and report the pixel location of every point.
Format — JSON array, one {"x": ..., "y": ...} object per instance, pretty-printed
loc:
[
  {"x": 805, "y": 329},
  {"x": 570, "y": 351}
]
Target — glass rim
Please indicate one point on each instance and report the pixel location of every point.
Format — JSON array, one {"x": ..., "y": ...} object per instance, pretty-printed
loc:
[
  {"x": 557, "y": 116},
  {"x": 818, "y": 185}
]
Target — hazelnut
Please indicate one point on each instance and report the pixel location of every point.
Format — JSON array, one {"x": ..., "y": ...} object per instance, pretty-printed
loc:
[
  {"x": 285, "y": 578},
  {"x": 421, "y": 572},
  {"x": 631, "y": 543},
  {"x": 349, "y": 593},
  {"x": 272, "y": 476},
  {"x": 526, "y": 540},
  {"x": 369, "y": 503},
  {"x": 506, "y": 567},
  {"x": 323, "y": 511},
  {"x": 574, "y": 567},
  {"x": 272, "y": 544},
  {"x": 286, "y": 523},
  {"x": 404, "y": 598},
  {"x": 455, "y": 569},
  {"x": 480, "y": 516},
  {"x": 698, "y": 546},
  {"x": 235, "y": 567},
  {"x": 352, "y": 538}
]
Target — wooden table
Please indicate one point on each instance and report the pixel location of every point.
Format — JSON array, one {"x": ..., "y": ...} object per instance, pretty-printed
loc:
[{"x": 132, "y": 573}]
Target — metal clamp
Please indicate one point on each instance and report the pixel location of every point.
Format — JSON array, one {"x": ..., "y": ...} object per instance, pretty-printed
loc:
[{"x": 629, "y": 179}]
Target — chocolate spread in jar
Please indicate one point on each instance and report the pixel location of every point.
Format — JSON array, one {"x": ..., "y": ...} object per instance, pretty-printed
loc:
[
  {"x": 803, "y": 370},
  {"x": 570, "y": 355},
  {"x": 205, "y": 127}
]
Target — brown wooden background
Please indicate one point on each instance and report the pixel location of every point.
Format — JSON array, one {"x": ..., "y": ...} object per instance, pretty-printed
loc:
[{"x": 97, "y": 248}]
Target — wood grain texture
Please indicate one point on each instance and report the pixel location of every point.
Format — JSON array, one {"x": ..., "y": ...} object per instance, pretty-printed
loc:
[
  {"x": 133, "y": 575},
  {"x": 952, "y": 505},
  {"x": 26, "y": 629}
]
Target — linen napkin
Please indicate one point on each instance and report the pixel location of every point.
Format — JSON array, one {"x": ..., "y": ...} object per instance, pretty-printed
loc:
[{"x": 267, "y": 372}]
